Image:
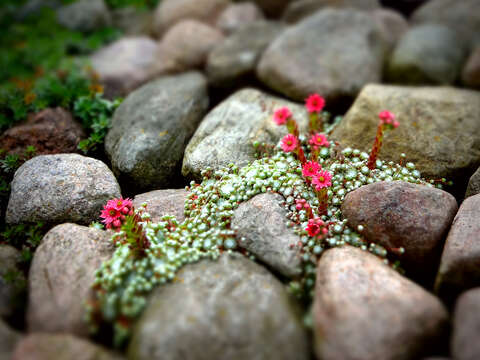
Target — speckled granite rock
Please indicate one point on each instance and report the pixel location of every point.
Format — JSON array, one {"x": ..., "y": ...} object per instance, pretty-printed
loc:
[{"x": 163, "y": 202}]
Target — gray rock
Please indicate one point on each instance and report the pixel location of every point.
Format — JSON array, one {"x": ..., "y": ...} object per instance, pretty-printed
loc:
[
  {"x": 461, "y": 16},
  {"x": 125, "y": 64},
  {"x": 399, "y": 214},
  {"x": 334, "y": 52},
  {"x": 132, "y": 21},
  {"x": 8, "y": 340},
  {"x": 427, "y": 54},
  {"x": 236, "y": 16},
  {"x": 471, "y": 71},
  {"x": 364, "y": 309},
  {"x": 170, "y": 12},
  {"x": 439, "y": 128},
  {"x": 232, "y": 304},
  {"x": 262, "y": 231},
  {"x": 84, "y": 15},
  {"x": 60, "y": 347},
  {"x": 32, "y": 7},
  {"x": 466, "y": 326},
  {"x": 460, "y": 263},
  {"x": 297, "y": 10},
  {"x": 473, "y": 187},
  {"x": 163, "y": 202},
  {"x": 61, "y": 276},
  {"x": 227, "y": 133},
  {"x": 12, "y": 281},
  {"x": 185, "y": 46},
  {"x": 392, "y": 25},
  {"x": 234, "y": 60},
  {"x": 60, "y": 188},
  {"x": 151, "y": 128}
]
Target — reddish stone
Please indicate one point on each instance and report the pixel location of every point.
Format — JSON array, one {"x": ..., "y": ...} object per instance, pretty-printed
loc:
[{"x": 50, "y": 131}]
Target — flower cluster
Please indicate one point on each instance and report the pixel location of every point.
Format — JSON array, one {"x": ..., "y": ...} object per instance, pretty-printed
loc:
[
  {"x": 114, "y": 212},
  {"x": 316, "y": 226}
]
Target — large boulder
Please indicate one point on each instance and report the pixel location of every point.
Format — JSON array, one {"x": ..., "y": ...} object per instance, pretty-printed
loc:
[
  {"x": 61, "y": 276},
  {"x": 60, "y": 347},
  {"x": 163, "y": 202},
  {"x": 466, "y": 326},
  {"x": 364, "y": 309},
  {"x": 334, "y": 52},
  {"x": 60, "y": 188},
  {"x": 261, "y": 230},
  {"x": 427, "y": 54},
  {"x": 170, "y": 12},
  {"x": 398, "y": 214},
  {"x": 125, "y": 64},
  {"x": 439, "y": 128},
  {"x": 12, "y": 281},
  {"x": 151, "y": 128},
  {"x": 234, "y": 60},
  {"x": 84, "y": 15},
  {"x": 460, "y": 263},
  {"x": 232, "y": 304},
  {"x": 227, "y": 133}
]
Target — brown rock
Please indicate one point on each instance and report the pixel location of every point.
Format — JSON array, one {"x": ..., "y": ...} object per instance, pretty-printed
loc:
[
  {"x": 473, "y": 187},
  {"x": 460, "y": 263},
  {"x": 364, "y": 309},
  {"x": 61, "y": 277},
  {"x": 236, "y": 16},
  {"x": 51, "y": 131},
  {"x": 471, "y": 71},
  {"x": 466, "y": 326},
  {"x": 169, "y": 12},
  {"x": 400, "y": 214},
  {"x": 185, "y": 46},
  {"x": 163, "y": 202},
  {"x": 60, "y": 347}
]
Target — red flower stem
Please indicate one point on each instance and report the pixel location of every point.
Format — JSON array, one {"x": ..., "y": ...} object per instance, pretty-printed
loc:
[
  {"x": 292, "y": 127},
  {"x": 314, "y": 153},
  {"x": 322, "y": 196},
  {"x": 376, "y": 147},
  {"x": 301, "y": 154}
]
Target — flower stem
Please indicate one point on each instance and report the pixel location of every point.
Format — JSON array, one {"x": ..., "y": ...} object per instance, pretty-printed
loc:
[
  {"x": 376, "y": 147},
  {"x": 292, "y": 127},
  {"x": 322, "y": 196}
]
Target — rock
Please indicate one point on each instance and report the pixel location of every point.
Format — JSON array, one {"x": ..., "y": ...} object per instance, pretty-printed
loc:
[
  {"x": 405, "y": 7},
  {"x": 392, "y": 25},
  {"x": 461, "y": 16},
  {"x": 61, "y": 276},
  {"x": 163, "y": 202},
  {"x": 427, "y": 54},
  {"x": 8, "y": 340},
  {"x": 460, "y": 263},
  {"x": 439, "y": 128},
  {"x": 170, "y": 12},
  {"x": 50, "y": 131},
  {"x": 262, "y": 231},
  {"x": 236, "y": 16},
  {"x": 307, "y": 57},
  {"x": 232, "y": 304},
  {"x": 471, "y": 71},
  {"x": 12, "y": 281},
  {"x": 272, "y": 8},
  {"x": 60, "y": 347},
  {"x": 60, "y": 188},
  {"x": 364, "y": 309},
  {"x": 227, "y": 133},
  {"x": 400, "y": 214},
  {"x": 299, "y": 9},
  {"x": 84, "y": 15},
  {"x": 234, "y": 60},
  {"x": 186, "y": 46},
  {"x": 473, "y": 187},
  {"x": 466, "y": 326},
  {"x": 151, "y": 128},
  {"x": 34, "y": 7},
  {"x": 132, "y": 21},
  {"x": 125, "y": 64}
]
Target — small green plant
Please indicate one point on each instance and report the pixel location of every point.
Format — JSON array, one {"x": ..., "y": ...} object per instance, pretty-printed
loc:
[{"x": 25, "y": 237}]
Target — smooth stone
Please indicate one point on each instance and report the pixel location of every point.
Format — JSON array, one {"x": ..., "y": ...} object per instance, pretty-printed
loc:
[
  {"x": 473, "y": 187},
  {"x": 84, "y": 15},
  {"x": 163, "y": 202},
  {"x": 61, "y": 278},
  {"x": 232, "y": 304},
  {"x": 364, "y": 309},
  {"x": 237, "y": 16},
  {"x": 152, "y": 127},
  {"x": 466, "y": 326},
  {"x": 392, "y": 25},
  {"x": 60, "y": 188}
]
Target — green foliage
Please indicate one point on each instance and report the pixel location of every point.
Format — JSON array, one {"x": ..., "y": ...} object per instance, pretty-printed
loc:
[
  {"x": 143, "y": 4},
  {"x": 26, "y": 237}
]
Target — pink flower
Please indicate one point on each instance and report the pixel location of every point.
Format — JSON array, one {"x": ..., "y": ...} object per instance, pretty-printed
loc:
[
  {"x": 322, "y": 180},
  {"x": 289, "y": 143},
  {"x": 318, "y": 140},
  {"x": 316, "y": 226},
  {"x": 301, "y": 204},
  {"x": 114, "y": 212},
  {"x": 387, "y": 117},
  {"x": 311, "y": 168},
  {"x": 315, "y": 103},
  {"x": 282, "y": 115}
]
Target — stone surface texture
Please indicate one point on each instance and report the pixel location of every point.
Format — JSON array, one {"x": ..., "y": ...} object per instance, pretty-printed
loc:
[
  {"x": 466, "y": 326},
  {"x": 163, "y": 202},
  {"x": 473, "y": 187},
  {"x": 236, "y": 16}
]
